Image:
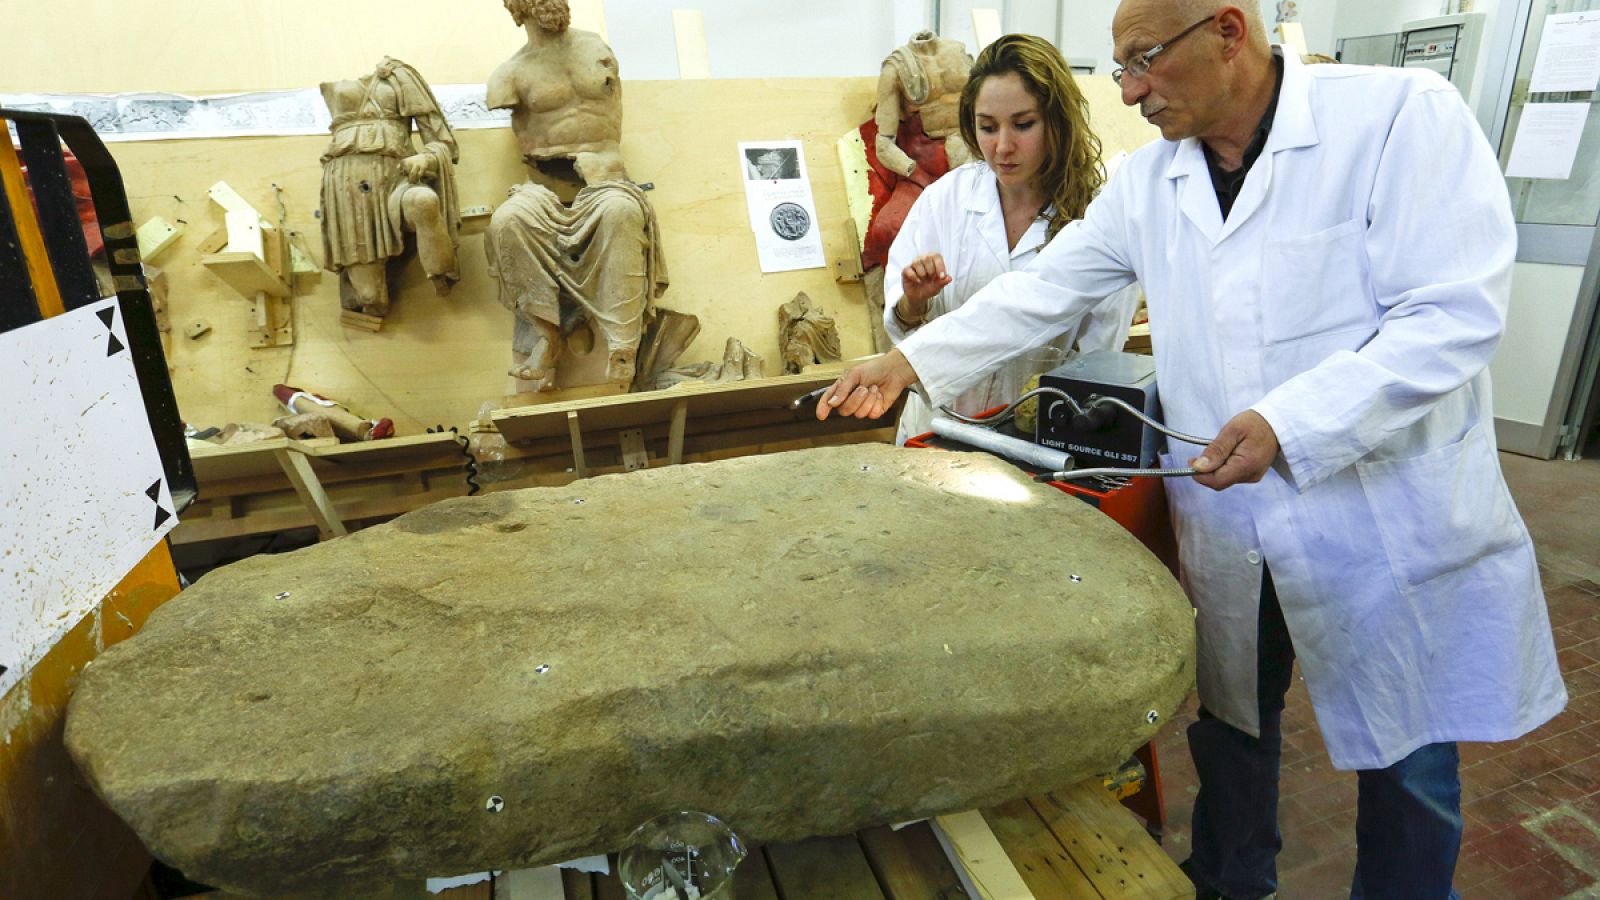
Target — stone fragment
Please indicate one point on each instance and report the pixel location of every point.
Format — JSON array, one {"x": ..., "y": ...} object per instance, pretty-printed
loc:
[{"x": 804, "y": 643}]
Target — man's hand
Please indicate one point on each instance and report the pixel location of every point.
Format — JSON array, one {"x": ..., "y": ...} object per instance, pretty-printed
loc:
[
  {"x": 1240, "y": 454},
  {"x": 870, "y": 389}
]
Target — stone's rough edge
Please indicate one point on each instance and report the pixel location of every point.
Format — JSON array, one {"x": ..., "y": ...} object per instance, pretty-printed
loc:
[{"x": 455, "y": 516}]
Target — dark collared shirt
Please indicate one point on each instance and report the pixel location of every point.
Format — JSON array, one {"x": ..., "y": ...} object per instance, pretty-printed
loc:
[{"x": 1229, "y": 184}]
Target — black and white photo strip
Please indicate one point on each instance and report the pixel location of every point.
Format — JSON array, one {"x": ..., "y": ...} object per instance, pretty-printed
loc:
[{"x": 771, "y": 163}]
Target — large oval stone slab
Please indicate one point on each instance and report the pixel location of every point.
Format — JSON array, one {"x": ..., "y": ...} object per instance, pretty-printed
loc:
[{"x": 804, "y": 643}]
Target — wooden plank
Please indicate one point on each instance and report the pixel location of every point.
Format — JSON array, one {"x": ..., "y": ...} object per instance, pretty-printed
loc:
[
  {"x": 1045, "y": 866},
  {"x": 680, "y": 422},
  {"x": 577, "y": 885},
  {"x": 311, "y": 493},
  {"x": 609, "y": 886},
  {"x": 923, "y": 846},
  {"x": 831, "y": 867},
  {"x": 753, "y": 879},
  {"x": 635, "y": 455},
  {"x": 985, "y": 27},
  {"x": 986, "y": 862},
  {"x": 646, "y": 407},
  {"x": 576, "y": 435},
  {"x": 156, "y": 236},
  {"x": 543, "y": 883},
  {"x": 246, "y": 273},
  {"x": 1110, "y": 845},
  {"x": 352, "y": 319},
  {"x": 408, "y": 448},
  {"x": 689, "y": 30},
  {"x": 901, "y": 874},
  {"x": 45, "y": 289},
  {"x": 483, "y": 890}
]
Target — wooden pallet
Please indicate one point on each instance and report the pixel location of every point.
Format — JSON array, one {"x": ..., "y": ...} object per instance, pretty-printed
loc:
[{"x": 1074, "y": 844}]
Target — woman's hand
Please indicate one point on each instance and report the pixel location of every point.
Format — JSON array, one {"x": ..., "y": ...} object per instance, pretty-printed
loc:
[{"x": 921, "y": 282}]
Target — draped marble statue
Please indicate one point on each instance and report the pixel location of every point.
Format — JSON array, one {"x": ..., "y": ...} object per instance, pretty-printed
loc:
[
  {"x": 377, "y": 187},
  {"x": 592, "y": 260},
  {"x": 923, "y": 78}
]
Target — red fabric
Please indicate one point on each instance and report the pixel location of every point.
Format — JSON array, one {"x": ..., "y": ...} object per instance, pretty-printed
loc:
[
  {"x": 893, "y": 195},
  {"x": 86, "y": 214}
]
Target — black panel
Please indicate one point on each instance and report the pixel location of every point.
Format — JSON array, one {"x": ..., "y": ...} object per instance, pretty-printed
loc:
[
  {"x": 58, "y": 213},
  {"x": 18, "y": 306},
  {"x": 138, "y": 315}
]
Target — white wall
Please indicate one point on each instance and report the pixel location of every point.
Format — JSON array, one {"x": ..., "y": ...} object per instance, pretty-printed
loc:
[
  {"x": 765, "y": 39},
  {"x": 1543, "y": 299}
]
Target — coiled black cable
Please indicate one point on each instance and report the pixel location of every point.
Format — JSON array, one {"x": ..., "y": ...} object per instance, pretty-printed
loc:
[{"x": 466, "y": 450}]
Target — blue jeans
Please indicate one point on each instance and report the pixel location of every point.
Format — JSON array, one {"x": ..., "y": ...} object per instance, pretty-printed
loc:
[{"x": 1408, "y": 816}]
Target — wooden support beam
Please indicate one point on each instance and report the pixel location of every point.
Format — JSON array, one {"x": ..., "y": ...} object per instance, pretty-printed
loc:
[
  {"x": 578, "y": 467},
  {"x": 298, "y": 468},
  {"x": 680, "y": 424},
  {"x": 543, "y": 883},
  {"x": 689, "y": 28},
  {"x": 635, "y": 455},
  {"x": 991, "y": 871}
]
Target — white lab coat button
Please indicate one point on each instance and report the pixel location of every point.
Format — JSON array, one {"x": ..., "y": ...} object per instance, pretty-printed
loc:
[{"x": 1253, "y": 557}]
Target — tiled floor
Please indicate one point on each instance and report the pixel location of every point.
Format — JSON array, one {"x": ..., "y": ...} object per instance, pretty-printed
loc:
[{"x": 1532, "y": 806}]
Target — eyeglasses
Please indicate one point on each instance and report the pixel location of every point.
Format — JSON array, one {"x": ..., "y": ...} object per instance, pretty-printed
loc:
[{"x": 1139, "y": 65}]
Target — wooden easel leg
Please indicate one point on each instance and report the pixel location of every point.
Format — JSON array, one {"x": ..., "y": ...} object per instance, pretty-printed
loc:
[
  {"x": 577, "y": 445},
  {"x": 298, "y": 468}
]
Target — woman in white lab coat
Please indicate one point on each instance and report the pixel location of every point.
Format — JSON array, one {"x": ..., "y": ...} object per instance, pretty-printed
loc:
[{"x": 1024, "y": 115}]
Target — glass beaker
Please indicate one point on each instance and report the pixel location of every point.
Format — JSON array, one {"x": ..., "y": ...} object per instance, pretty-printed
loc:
[
  {"x": 1037, "y": 361},
  {"x": 681, "y": 856}
]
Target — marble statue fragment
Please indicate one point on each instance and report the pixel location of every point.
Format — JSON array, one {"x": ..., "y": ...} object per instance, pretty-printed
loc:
[
  {"x": 749, "y": 637},
  {"x": 588, "y": 260},
  {"x": 806, "y": 335},
  {"x": 738, "y": 363},
  {"x": 377, "y": 187}
]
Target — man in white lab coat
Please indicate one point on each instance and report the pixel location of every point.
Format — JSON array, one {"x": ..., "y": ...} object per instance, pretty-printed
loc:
[{"x": 1326, "y": 253}]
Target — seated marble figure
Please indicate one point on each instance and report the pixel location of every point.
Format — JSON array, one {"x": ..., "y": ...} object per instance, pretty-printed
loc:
[{"x": 586, "y": 266}]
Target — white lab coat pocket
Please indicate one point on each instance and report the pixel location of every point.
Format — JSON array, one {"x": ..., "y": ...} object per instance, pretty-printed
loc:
[
  {"x": 1442, "y": 511},
  {"x": 1315, "y": 300}
]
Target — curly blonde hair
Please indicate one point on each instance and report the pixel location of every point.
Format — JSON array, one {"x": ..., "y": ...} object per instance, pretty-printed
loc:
[
  {"x": 551, "y": 15},
  {"x": 1071, "y": 173}
]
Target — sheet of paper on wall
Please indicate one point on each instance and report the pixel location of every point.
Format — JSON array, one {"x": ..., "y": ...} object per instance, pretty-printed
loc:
[
  {"x": 1547, "y": 140},
  {"x": 85, "y": 496},
  {"x": 1569, "y": 54},
  {"x": 783, "y": 215},
  {"x": 162, "y": 117}
]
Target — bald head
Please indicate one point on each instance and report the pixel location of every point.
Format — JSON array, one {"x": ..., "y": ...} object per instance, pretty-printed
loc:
[
  {"x": 1195, "y": 68},
  {"x": 1176, "y": 15}
]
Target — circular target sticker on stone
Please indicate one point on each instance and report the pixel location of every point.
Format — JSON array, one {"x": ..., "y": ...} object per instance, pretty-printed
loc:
[{"x": 790, "y": 221}]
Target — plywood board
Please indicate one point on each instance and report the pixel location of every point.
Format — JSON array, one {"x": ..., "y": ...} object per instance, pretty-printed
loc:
[{"x": 439, "y": 360}]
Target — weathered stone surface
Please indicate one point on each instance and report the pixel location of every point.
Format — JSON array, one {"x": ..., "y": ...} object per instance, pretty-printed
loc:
[{"x": 804, "y": 643}]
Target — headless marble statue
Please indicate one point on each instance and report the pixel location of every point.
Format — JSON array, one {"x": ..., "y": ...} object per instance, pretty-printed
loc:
[
  {"x": 376, "y": 188},
  {"x": 596, "y": 258},
  {"x": 925, "y": 78}
]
